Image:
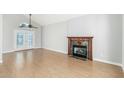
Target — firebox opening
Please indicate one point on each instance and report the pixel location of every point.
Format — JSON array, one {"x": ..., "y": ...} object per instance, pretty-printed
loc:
[{"x": 80, "y": 51}]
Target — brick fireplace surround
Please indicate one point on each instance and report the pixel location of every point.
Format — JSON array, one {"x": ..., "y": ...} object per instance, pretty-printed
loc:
[{"x": 87, "y": 39}]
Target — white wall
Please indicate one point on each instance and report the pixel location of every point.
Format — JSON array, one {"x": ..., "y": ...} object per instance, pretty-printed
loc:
[
  {"x": 54, "y": 37},
  {"x": 1, "y": 30},
  {"x": 38, "y": 37},
  {"x": 109, "y": 38},
  {"x": 106, "y": 30},
  {"x": 10, "y": 24},
  {"x": 123, "y": 42}
]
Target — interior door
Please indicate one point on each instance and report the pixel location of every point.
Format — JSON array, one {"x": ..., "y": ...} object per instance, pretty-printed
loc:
[
  {"x": 20, "y": 38},
  {"x": 29, "y": 40}
]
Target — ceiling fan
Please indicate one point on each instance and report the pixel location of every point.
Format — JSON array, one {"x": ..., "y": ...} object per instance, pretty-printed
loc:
[{"x": 28, "y": 25}]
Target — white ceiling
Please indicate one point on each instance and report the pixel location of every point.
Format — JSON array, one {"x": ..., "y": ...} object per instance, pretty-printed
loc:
[{"x": 45, "y": 19}]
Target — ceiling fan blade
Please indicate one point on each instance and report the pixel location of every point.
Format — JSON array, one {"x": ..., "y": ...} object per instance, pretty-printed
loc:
[
  {"x": 34, "y": 27},
  {"x": 29, "y": 25}
]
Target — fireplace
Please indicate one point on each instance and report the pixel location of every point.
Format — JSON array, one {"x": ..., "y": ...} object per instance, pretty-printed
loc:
[
  {"x": 80, "y": 51},
  {"x": 80, "y": 47}
]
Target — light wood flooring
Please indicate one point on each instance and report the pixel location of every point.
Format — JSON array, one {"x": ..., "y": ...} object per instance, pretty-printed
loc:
[{"x": 44, "y": 63}]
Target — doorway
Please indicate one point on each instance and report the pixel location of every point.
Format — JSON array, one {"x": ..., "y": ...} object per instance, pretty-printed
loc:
[{"x": 24, "y": 40}]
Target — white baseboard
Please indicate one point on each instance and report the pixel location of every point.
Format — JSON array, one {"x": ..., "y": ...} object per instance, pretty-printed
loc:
[
  {"x": 55, "y": 50},
  {"x": 123, "y": 68},
  {"x": 36, "y": 47},
  {"x": 95, "y": 59},
  {"x": 18, "y": 50},
  {"x": 1, "y": 61},
  {"x": 8, "y": 51},
  {"x": 109, "y": 62}
]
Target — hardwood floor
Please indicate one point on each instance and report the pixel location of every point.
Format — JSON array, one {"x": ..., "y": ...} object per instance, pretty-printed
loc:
[{"x": 45, "y": 63}]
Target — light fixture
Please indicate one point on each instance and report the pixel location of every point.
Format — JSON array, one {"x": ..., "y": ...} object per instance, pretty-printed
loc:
[{"x": 27, "y": 25}]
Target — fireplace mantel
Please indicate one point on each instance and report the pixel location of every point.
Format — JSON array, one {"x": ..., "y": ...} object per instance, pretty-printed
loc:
[{"x": 81, "y": 39}]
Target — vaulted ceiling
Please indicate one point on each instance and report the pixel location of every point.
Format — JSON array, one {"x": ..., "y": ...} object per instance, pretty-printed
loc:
[{"x": 45, "y": 19}]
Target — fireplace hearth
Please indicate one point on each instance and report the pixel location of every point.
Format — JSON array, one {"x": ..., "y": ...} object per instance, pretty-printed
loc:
[{"x": 80, "y": 47}]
